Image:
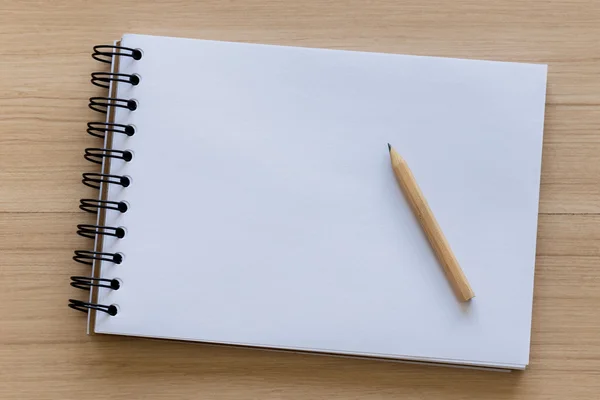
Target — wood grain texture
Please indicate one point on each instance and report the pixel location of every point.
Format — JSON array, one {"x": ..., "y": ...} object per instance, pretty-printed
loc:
[
  {"x": 44, "y": 85},
  {"x": 433, "y": 232}
]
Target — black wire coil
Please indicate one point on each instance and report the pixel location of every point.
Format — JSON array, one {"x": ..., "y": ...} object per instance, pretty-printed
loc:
[
  {"x": 101, "y": 104},
  {"x": 85, "y": 307},
  {"x": 105, "y": 54},
  {"x": 99, "y": 129},
  {"x": 87, "y": 282},
  {"x": 93, "y": 180},
  {"x": 90, "y": 231},
  {"x": 88, "y": 257},
  {"x": 92, "y": 205},
  {"x": 103, "y": 79},
  {"x": 96, "y": 155}
]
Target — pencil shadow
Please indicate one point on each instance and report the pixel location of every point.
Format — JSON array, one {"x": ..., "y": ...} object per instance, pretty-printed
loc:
[{"x": 149, "y": 362}]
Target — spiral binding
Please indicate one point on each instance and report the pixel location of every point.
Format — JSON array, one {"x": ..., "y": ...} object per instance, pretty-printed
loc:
[
  {"x": 91, "y": 231},
  {"x": 88, "y": 257},
  {"x": 101, "y": 104},
  {"x": 103, "y": 79},
  {"x": 93, "y": 180},
  {"x": 87, "y": 282},
  {"x": 99, "y": 129},
  {"x": 85, "y": 307},
  {"x": 105, "y": 54},
  {"x": 96, "y": 155},
  {"x": 92, "y": 206}
]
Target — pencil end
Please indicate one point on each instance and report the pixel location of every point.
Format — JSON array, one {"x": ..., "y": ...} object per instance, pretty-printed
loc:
[
  {"x": 464, "y": 291},
  {"x": 468, "y": 298},
  {"x": 389, "y": 147}
]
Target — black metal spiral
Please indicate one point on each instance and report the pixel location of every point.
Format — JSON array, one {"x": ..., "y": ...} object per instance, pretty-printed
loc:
[
  {"x": 88, "y": 257},
  {"x": 85, "y": 307},
  {"x": 103, "y": 79},
  {"x": 91, "y": 231},
  {"x": 99, "y": 129},
  {"x": 101, "y": 104},
  {"x": 92, "y": 205},
  {"x": 96, "y": 155},
  {"x": 93, "y": 180},
  {"x": 105, "y": 53},
  {"x": 87, "y": 282}
]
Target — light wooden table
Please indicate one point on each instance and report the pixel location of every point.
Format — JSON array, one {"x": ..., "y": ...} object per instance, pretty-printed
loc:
[{"x": 44, "y": 85}]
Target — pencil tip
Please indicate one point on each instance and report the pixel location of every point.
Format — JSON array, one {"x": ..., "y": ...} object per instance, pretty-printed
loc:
[{"x": 389, "y": 147}]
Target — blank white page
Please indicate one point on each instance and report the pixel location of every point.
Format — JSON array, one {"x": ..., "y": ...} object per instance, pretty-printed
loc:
[{"x": 264, "y": 211}]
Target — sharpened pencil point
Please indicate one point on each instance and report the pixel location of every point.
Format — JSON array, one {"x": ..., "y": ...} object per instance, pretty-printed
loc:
[{"x": 389, "y": 147}]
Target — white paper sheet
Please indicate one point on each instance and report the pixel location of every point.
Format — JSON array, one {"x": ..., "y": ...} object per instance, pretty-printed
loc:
[{"x": 264, "y": 211}]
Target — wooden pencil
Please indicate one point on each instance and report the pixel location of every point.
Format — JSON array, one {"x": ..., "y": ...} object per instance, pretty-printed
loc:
[{"x": 434, "y": 234}]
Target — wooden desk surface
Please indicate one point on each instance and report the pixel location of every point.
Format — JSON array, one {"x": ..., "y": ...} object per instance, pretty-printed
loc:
[{"x": 44, "y": 85}]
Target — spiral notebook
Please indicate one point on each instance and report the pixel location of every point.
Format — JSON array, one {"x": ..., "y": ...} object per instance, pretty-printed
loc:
[{"x": 246, "y": 198}]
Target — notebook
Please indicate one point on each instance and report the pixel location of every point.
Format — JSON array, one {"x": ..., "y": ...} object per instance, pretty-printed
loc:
[{"x": 246, "y": 198}]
